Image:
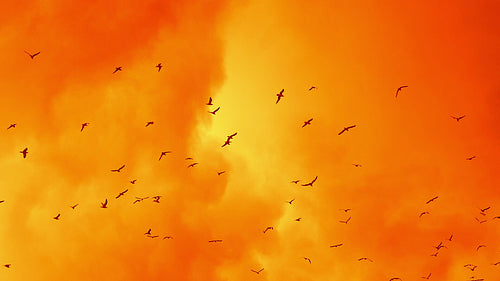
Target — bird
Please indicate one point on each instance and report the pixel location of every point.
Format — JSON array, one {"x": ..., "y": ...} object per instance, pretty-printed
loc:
[
  {"x": 497, "y": 217},
  {"x": 257, "y": 271},
  {"x": 481, "y": 221},
  {"x": 346, "y": 221},
  {"x": 220, "y": 173},
  {"x": 451, "y": 236},
  {"x": 430, "y": 200},
  {"x": 215, "y": 241},
  {"x": 163, "y": 153},
  {"x": 153, "y": 236},
  {"x": 470, "y": 266},
  {"x": 427, "y": 277},
  {"x": 268, "y": 228},
  {"x": 312, "y": 88},
  {"x": 32, "y": 55},
  {"x": 424, "y": 213},
  {"x": 480, "y": 246},
  {"x": 74, "y": 206},
  {"x": 399, "y": 90},
  {"x": 159, "y": 66},
  {"x": 346, "y": 129},
  {"x": 295, "y": 181},
  {"x": 84, "y": 125},
  {"x": 188, "y": 158},
  {"x": 57, "y": 217},
  {"x": 307, "y": 259},
  {"x": 227, "y": 142},
  {"x": 209, "y": 101},
  {"x": 168, "y": 237},
  {"x": 148, "y": 232},
  {"x": 336, "y": 245},
  {"x": 484, "y": 210},
  {"x": 213, "y": 112},
  {"x": 365, "y": 259},
  {"x": 345, "y": 210},
  {"x": 105, "y": 204},
  {"x": 357, "y": 165},
  {"x": 280, "y": 95},
  {"x": 133, "y": 181},
  {"x": 121, "y": 193},
  {"x": 192, "y": 165},
  {"x": 12, "y": 126},
  {"x": 156, "y": 199},
  {"x": 139, "y": 199},
  {"x": 24, "y": 152},
  {"x": 118, "y": 68},
  {"x": 298, "y": 219},
  {"x": 119, "y": 169},
  {"x": 457, "y": 118},
  {"x": 439, "y": 246},
  {"x": 311, "y": 183},
  {"x": 395, "y": 278},
  {"x": 497, "y": 263},
  {"x": 150, "y": 123},
  {"x": 308, "y": 122},
  {"x": 7, "y": 265},
  {"x": 230, "y": 137},
  {"x": 1, "y": 201},
  {"x": 290, "y": 202},
  {"x": 435, "y": 254},
  {"x": 470, "y": 158}
]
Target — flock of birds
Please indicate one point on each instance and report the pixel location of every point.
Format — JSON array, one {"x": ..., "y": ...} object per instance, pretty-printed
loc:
[{"x": 280, "y": 96}]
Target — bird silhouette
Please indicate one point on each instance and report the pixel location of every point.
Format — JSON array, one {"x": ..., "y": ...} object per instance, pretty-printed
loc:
[
  {"x": 57, "y": 217},
  {"x": 457, "y": 118},
  {"x": 121, "y": 193},
  {"x": 1, "y": 201},
  {"x": 24, "y": 152},
  {"x": 150, "y": 123},
  {"x": 424, "y": 213},
  {"x": 156, "y": 199},
  {"x": 32, "y": 56},
  {"x": 470, "y": 158},
  {"x": 480, "y": 246},
  {"x": 192, "y": 165},
  {"x": 257, "y": 271},
  {"x": 336, "y": 245},
  {"x": 7, "y": 265},
  {"x": 74, "y": 206},
  {"x": 472, "y": 267},
  {"x": 346, "y": 221},
  {"x": 307, "y": 259},
  {"x": 295, "y": 181},
  {"x": 312, "y": 88},
  {"x": 105, "y": 204},
  {"x": 365, "y": 259},
  {"x": 215, "y": 111},
  {"x": 308, "y": 122},
  {"x": 12, "y": 126},
  {"x": 268, "y": 228},
  {"x": 153, "y": 236},
  {"x": 346, "y": 129},
  {"x": 497, "y": 263},
  {"x": 209, "y": 101},
  {"x": 163, "y": 153},
  {"x": 290, "y": 202},
  {"x": 357, "y": 165},
  {"x": 159, "y": 66},
  {"x": 449, "y": 239},
  {"x": 84, "y": 125},
  {"x": 427, "y": 277},
  {"x": 230, "y": 137},
  {"x": 118, "y": 68},
  {"x": 133, "y": 181},
  {"x": 345, "y": 210},
  {"x": 119, "y": 169},
  {"x": 435, "y": 254},
  {"x": 168, "y": 237},
  {"x": 484, "y": 210},
  {"x": 227, "y": 142},
  {"x": 298, "y": 219},
  {"x": 220, "y": 173},
  {"x": 139, "y": 199},
  {"x": 481, "y": 221},
  {"x": 215, "y": 241},
  {"x": 395, "y": 278},
  {"x": 430, "y": 200},
  {"x": 399, "y": 90},
  {"x": 148, "y": 232},
  {"x": 311, "y": 183},
  {"x": 280, "y": 95}
]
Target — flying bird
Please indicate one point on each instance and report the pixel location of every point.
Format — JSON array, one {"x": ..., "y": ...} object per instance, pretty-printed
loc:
[
  {"x": 470, "y": 158},
  {"x": 345, "y": 210},
  {"x": 298, "y": 219},
  {"x": 312, "y": 88},
  {"x": 311, "y": 183},
  {"x": 163, "y": 153},
  {"x": 209, "y": 101},
  {"x": 336, "y": 245},
  {"x": 470, "y": 266},
  {"x": 192, "y": 165},
  {"x": 427, "y": 277},
  {"x": 148, "y": 232},
  {"x": 159, "y": 66},
  {"x": 153, "y": 236},
  {"x": 484, "y": 210},
  {"x": 280, "y": 95},
  {"x": 295, "y": 181},
  {"x": 480, "y": 246},
  {"x": 1, "y": 201},
  {"x": 139, "y": 199},
  {"x": 133, "y": 181},
  {"x": 12, "y": 126},
  {"x": 268, "y": 228},
  {"x": 156, "y": 199},
  {"x": 451, "y": 236},
  {"x": 74, "y": 206},
  {"x": 481, "y": 221},
  {"x": 497, "y": 263},
  {"x": 395, "y": 278},
  {"x": 365, "y": 259},
  {"x": 220, "y": 173},
  {"x": 105, "y": 204},
  {"x": 307, "y": 259},
  {"x": 424, "y": 213},
  {"x": 24, "y": 152},
  {"x": 399, "y": 90},
  {"x": 121, "y": 193},
  {"x": 215, "y": 241},
  {"x": 119, "y": 169},
  {"x": 57, "y": 217},
  {"x": 290, "y": 202},
  {"x": 357, "y": 165},
  {"x": 188, "y": 158},
  {"x": 346, "y": 129},
  {"x": 84, "y": 125},
  {"x": 430, "y": 200},
  {"x": 257, "y": 271},
  {"x": 32, "y": 55},
  {"x": 227, "y": 142},
  {"x": 168, "y": 237},
  {"x": 213, "y": 112},
  {"x": 119, "y": 68},
  {"x": 150, "y": 123},
  {"x": 457, "y": 118},
  {"x": 230, "y": 137},
  {"x": 7, "y": 265},
  {"x": 435, "y": 254},
  {"x": 346, "y": 221},
  {"x": 308, "y": 122}
]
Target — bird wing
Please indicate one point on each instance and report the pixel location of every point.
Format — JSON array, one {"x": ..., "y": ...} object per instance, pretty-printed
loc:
[{"x": 343, "y": 130}]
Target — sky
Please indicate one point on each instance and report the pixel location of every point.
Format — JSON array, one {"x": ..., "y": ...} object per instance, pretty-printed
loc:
[{"x": 241, "y": 54}]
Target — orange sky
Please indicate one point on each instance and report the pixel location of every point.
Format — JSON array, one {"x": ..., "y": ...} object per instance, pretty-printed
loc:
[{"x": 242, "y": 54}]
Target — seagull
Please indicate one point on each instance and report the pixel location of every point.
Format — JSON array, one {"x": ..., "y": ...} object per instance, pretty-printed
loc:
[
  {"x": 497, "y": 263},
  {"x": 156, "y": 199},
  {"x": 188, "y": 158},
  {"x": 395, "y": 278},
  {"x": 356, "y": 165},
  {"x": 84, "y": 125},
  {"x": 481, "y": 221},
  {"x": 346, "y": 129},
  {"x": 290, "y": 202},
  {"x": 435, "y": 254},
  {"x": 213, "y": 112},
  {"x": 150, "y": 123},
  {"x": 427, "y": 277},
  {"x": 168, "y": 237},
  {"x": 470, "y": 158},
  {"x": 458, "y": 118},
  {"x": 57, "y": 217},
  {"x": 139, "y": 199},
  {"x": 133, "y": 181},
  {"x": 105, "y": 204},
  {"x": 209, "y": 101},
  {"x": 399, "y": 89},
  {"x": 163, "y": 153},
  {"x": 295, "y": 181},
  {"x": 308, "y": 122},
  {"x": 257, "y": 271},
  {"x": 439, "y": 246},
  {"x": 119, "y": 68},
  {"x": 312, "y": 88},
  {"x": 307, "y": 259},
  {"x": 311, "y": 183},
  {"x": 345, "y": 210},
  {"x": 192, "y": 165},
  {"x": 148, "y": 232},
  {"x": 479, "y": 247},
  {"x": 280, "y": 95},
  {"x": 7, "y": 265},
  {"x": 298, "y": 219},
  {"x": 74, "y": 206},
  {"x": 346, "y": 221},
  {"x": 119, "y": 169},
  {"x": 365, "y": 259},
  {"x": 431, "y": 200},
  {"x": 484, "y": 210},
  {"x": 230, "y": 137},
  {"x": 121, "y": 193},
  {"x": 153, "y": 236},
  {"x": 32, "y": 56},
  {"x": 470, "y": 266},
  {"x": 227, "y": 142},
  {"x": 336, "y": 245},
  {"x": 424, "y": 213},
  {"x": 220, "y": 173},
  {"x": 1, "y": 201},
  {"x": 214, "y": 241},
  {"x": 451, "y": 236},
  {"x": 268, "y": 228},
  {"x": 159, "y": 66},
  {"x": 12, "y": 126},
  {"x": 24, "y": 152}
]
